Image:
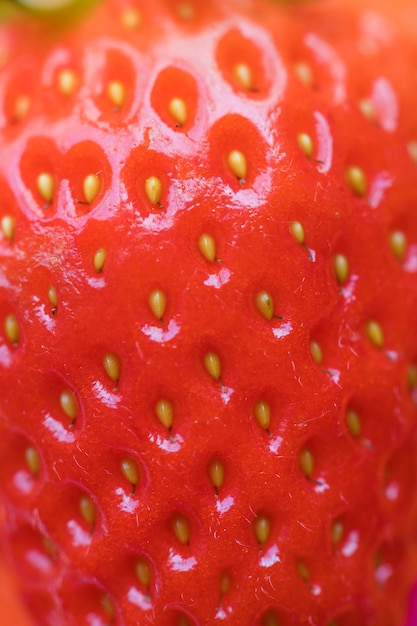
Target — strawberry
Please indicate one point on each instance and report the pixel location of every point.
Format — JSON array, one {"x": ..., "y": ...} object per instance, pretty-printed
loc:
[{"x": 208, "y": 294}]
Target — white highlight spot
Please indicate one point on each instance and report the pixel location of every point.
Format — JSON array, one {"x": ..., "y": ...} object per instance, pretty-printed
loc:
[
  {"x": 161, "y": 334},
  {"x": 139, "y": 599},
  {"x": 167, "y": 444},
  {"x": 327, "y": 55},
  {"x": 179, "y": 564},
  {"x": 334, "y": 375},
  {"x": 410, "y": 265},
  {"x": 381, "y": 182},
  {"x": 321, "y": 486},
  {"x": 80, "y": 537},
  {"x": 22, "y": 481},
  {"x": 385, "y": 102},
  {"x": 283, "y": 331},
  {"x": 325, "y": 143},
  {"x": 217, "y": 280},
  {"x": 392, "y": 491},
  {"x": 274, "y": 444},
  {"x": 58, "y": 430},
  {"x": 127, "y": 504},
  {"x": 223, "y": 506},
  {"x": 271, "y": 557},
  {"x": 5, "y": 356},
  {"x": 106, "y": 397},
  {"x": 39, "y": 561},
  {"x": 226, "y": 394},
  {"x": 43, "y": 316},
  {"x": 351, "y": 544},
  {"x": 382, "y": 573}
]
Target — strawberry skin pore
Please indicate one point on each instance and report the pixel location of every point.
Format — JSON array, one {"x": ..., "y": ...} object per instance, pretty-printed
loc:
[{"x": 208, "y": 295}]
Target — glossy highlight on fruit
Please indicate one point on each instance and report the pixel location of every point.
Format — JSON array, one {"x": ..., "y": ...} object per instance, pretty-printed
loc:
[{"x": 208, "y": 294}]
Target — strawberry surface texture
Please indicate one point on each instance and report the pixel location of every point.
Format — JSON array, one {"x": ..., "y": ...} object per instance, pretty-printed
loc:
[{"x": 208, "y": 304}]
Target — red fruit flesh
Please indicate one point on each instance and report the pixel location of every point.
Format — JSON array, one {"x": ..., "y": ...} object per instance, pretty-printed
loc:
[{"x": 208, "y": 291}]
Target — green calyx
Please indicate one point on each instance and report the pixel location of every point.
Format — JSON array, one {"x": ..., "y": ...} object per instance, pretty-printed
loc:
[{"x": 54, "y": 8}]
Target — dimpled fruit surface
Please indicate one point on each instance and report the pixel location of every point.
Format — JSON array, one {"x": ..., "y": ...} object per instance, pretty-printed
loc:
[{"x": 208, "y": 295}]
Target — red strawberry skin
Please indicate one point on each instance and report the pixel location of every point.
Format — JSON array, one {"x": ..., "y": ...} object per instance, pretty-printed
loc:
[{"x": 305, "y": 405}]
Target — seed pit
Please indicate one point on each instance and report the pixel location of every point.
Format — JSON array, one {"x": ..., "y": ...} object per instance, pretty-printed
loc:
[
  {"x": 175, "y": 98},
  {"x": 237, "y": 151},
  {"x": 21, "y": 470},
  {"x": 242, "y": 65},
  {"x": 40, "y": 168},
  {"x": 89, "y": 175},
  {"x": 117, "y": 78},
  {"x": 146, "y": 178},
  {"x": 86, "y": 602}
]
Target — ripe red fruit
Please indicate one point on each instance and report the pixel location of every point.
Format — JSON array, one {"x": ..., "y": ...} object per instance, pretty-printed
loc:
[{"x": 208, "y": 293}]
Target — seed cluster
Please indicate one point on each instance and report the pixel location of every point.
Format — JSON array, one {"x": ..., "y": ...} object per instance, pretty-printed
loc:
[{"x": 209, "y": 307}]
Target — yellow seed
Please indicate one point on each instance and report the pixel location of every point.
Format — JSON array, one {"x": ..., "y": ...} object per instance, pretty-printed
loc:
[
  {"x": 45, "y": 184},
  {"x": 304, "y": 73},
  {"x": 67, "y": 81},
  {"x": 21, "y": 107},
  {"x": 87, "y": 509},
  {"x": 8, "y": 226},
  {"x": 412, "y": 150},
  {"x": 225, "y": 582},
  {"x": 341, "y": 268},
  {"x": 207, "y": 247},
  {"x": 303, "y": 570},
  {"x": 33, "y": 461},
  {"x": 130, "y": 470},
  {"x": 270, "y": 618},
  {"x": 212, "y": 364},
  {"x": 99, "y": 259},
  {"x": 69, "y": 404},
  {"x": 297, "y": 232},
  {"x": 398, "y": 244},
  {"x": 262, "y": 412},
  {"x": 131, "y": 18},
  {"x": 186, "y": 12},
  {"x": 306, "y": 462},
  {"x": 261, "y": 527},
  {"x": 265, "y": 304},
  {"x": 11, "y": 328},
  {"x": 91, "y": 187},
  {"x": 243, "y": 75},
  {"x": 237, "y": 164},
  {"x": 412, "y": 377},
  {"x": 367, "y": 108},
  {"x": 378, "y": 559},
  {"x": 116, "y": 92},
  {"x": 52, "y": 296},
  {"x": 353, "y": 422},
  {"x": 182, "y": 620},
  {"x": 375, "y": 333},
  {"x": 316, "y": 352},
  {"x": 181, "y": 528},
  {"x": 153, "y": 189},
  {"x": 143, "y": 571},
  {"x": 50, "y": 547},
  {"x": 108, "y": 607},
  {"x": 164, "y": 412},
  {"x": 337, "y": 531},
  {"x": 111, "y": 366},
  {"x": 216, "y": 471},
  {"x": 306, "y": 144},
  {"x": 178, "y": 110},
  {"x": 356, "y": 180},
  {"x": 157, "y": 301}
]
